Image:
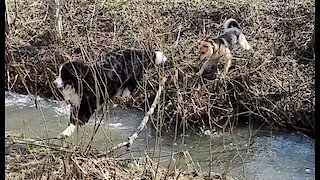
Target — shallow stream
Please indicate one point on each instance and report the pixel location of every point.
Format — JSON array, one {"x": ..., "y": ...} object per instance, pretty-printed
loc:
[{"x": 268, "y": 154}]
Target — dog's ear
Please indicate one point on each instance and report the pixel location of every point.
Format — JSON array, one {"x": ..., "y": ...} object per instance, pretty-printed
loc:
[
  {"x": 220, "y": 41},
  {"x": 211, "y": 41}
]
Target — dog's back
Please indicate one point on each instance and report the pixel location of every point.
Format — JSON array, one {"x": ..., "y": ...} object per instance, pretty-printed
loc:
[
  {"x": 127, "y": 66},
  {"x": 130, "y": 64}
]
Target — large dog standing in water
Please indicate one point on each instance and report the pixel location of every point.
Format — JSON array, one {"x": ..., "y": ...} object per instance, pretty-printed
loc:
[{"x": 87, "y": 87}]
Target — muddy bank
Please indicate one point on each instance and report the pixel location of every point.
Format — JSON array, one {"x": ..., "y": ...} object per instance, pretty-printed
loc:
[{"x": 273, "y": 83}]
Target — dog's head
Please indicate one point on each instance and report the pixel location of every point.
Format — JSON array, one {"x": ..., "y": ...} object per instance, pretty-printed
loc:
[
  {"x": 70, "y": 73},
  {"x": 70, "y": 76},
  {"x": 206, "y": 48}
]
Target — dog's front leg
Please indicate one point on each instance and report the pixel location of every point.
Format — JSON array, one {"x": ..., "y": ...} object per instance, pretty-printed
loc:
[
  {"x": 227, "y": 60},
  {"x": 79, "y": 115},
  {"x": 206, "y": 64},
  {"x": 227, "y": 66}
]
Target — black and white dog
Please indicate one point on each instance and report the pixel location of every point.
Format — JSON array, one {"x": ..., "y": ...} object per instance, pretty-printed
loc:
[{"x": 87, "y": 87}]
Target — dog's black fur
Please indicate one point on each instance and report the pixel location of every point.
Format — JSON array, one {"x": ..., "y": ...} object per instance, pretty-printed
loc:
[{"x": 128, "y": 66}]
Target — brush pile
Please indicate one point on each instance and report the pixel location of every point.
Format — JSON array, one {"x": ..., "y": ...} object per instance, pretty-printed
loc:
[{"x": 274, "y": 82}]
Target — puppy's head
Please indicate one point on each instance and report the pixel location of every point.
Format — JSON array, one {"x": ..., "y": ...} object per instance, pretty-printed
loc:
[
  {"x": 159, "y": 57},
  {"x": 206, "y": 48}
]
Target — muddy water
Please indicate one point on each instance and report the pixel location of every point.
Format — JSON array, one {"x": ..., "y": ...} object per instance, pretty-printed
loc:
[{"x": 268, "y": 154}]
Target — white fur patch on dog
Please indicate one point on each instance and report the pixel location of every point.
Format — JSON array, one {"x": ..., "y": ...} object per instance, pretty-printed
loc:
[
  {"x": 58, "y": 82},
  {"x": 159, "y": 57},
  {"x": 126, "y": 93},
  {"x": 70, "y": 95},
  {"x": 68, "y": 131}
]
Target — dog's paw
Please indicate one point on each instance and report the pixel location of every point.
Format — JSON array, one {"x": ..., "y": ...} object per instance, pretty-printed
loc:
[
  {"x": 199, "y": 73},
  {"x": 61, "y": 137},
  {"x": 126, "y": 93}
]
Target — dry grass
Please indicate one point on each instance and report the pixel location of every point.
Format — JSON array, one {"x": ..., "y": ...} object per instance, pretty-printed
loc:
[
  {"x": 29, "y": 159},
  {"x": 269, "y": 83}
]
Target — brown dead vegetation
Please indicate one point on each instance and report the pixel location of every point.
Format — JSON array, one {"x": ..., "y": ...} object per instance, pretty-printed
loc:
[{"x": 269, "y": 83}]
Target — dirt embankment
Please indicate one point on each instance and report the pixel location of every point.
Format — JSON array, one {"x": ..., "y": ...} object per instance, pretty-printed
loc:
[{"x": 274, "y": 82}]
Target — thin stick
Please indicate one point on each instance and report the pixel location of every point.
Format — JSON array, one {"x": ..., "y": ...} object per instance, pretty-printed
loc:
[{"x": 38, "y": 143}]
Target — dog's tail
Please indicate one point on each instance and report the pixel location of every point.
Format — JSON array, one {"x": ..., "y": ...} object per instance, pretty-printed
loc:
[{"x": 231, "y": 23}]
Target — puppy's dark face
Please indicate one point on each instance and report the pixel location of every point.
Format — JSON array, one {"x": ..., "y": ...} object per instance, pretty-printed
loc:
[{"x": 206, "y": 49}]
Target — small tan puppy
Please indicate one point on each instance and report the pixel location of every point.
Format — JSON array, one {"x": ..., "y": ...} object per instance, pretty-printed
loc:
[{"x": 219, "y": 48}]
